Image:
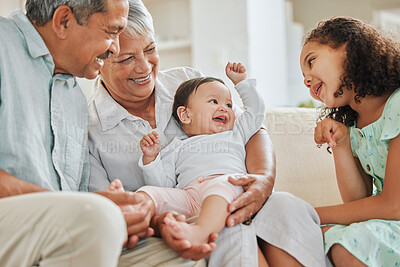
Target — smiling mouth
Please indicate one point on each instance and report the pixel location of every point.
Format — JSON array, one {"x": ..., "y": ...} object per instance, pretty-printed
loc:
[
  {"x": 221, "y": 119},
  {"x": 140, "y": 80},
  {"x": 318, "y": 89}
]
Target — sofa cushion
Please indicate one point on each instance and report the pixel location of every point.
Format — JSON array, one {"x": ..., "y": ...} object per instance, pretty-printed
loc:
[{"x": 302, "y": 169}]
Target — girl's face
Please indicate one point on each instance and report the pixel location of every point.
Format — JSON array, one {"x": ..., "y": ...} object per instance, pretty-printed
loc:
[
  {"x": 322, "y": 68},
  {"x": 131, "y": 75}
]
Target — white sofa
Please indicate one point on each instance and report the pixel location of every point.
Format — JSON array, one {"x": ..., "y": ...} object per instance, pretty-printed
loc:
[{"x": 302, "y": 169}]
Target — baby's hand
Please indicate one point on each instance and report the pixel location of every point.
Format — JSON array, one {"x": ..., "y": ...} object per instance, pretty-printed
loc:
[
  {"x": 150, "y": 145},
  {"x": 236, "y": 72},
  {"x": 332, "y": 132}
]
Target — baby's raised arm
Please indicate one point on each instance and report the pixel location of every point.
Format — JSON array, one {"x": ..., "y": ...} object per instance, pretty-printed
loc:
[
  {"x": 236, "y": 72},
  {"x": 150, "y": 146}
]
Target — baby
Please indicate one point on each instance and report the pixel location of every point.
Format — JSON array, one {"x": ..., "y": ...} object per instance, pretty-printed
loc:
[{"x": 200, "y": 164}]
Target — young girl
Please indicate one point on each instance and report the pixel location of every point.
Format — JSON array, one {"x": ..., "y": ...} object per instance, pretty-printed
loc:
[
  {"x": 199, "y": 166},
  {"x": 355, "y": 71}
]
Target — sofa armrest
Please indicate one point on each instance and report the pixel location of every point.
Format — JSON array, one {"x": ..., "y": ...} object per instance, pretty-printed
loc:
[{"x": 302, "y": 169}]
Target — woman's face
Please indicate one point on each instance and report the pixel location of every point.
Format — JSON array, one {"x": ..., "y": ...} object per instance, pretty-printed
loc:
[{"x": 130, "y": 76}]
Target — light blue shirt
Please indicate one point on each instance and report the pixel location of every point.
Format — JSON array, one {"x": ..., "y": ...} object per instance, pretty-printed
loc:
[
  {"x": 44, "y": 117},
  {"x": 371, "y": 143}
]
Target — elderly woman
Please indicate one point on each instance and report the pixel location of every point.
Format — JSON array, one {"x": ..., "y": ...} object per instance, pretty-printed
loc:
[{"x": 133, "y": 98}]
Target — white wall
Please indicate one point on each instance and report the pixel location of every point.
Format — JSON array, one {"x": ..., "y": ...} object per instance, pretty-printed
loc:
[
  {"x": 309, "y": 12},
  {"x": 267, "y": 49},
  {"x": 7, "y": 6},
  {"x": 172, "y": 25},
  {"x": 249, "y": 31},
  {"x": 219, "y": 34},
  {"x": 298, "y": 93}
]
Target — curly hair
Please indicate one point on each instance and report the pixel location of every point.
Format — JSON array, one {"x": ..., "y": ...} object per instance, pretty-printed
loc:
[
  {"x": 186, "y": 89},
  {"x": 372, "y": 64}
]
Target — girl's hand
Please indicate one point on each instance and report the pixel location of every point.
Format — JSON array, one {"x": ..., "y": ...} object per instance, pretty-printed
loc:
[
  {"x": 150, "y": 145},
  {"x": 332, "y": 132},
  {"x": 236, "y": 72}
]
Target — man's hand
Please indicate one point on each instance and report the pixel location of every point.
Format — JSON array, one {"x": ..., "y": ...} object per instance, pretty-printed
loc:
[
  {"x": 257, "y": 190},
  {"x": 137, "y": 219},
  {"x": 183, "y": 247}
]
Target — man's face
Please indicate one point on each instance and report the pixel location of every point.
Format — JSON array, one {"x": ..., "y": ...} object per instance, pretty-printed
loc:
[{"x": 89, "y": 44}]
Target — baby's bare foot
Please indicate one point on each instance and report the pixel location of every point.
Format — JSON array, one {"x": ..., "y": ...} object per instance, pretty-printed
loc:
[
  {"x": 190, "y": 232},
  {"x": 116, "y": 185}
]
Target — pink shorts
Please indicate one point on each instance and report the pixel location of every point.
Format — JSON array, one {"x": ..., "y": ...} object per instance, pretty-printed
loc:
[{"x": 187, "y": 201}]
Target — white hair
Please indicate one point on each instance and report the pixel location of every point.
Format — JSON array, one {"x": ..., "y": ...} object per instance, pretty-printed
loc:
[{"x": 140, "y": 21}]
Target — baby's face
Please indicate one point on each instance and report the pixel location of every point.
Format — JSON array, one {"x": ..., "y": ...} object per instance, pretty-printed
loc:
[
  {"x": 322, "y": 68},
  {"x": 210, "y": 109}
]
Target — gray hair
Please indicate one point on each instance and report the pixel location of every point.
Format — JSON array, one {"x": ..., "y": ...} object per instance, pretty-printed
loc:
[
  {"x": 41, "y": 11},
  {"x": 140, "y": 21}
]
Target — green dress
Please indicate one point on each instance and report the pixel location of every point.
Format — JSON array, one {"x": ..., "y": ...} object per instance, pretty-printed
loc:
[{"x": 373, "y": 242}]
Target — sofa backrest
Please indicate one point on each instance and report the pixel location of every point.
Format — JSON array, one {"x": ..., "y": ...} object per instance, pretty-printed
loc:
[{"x": 302, "y": 169}]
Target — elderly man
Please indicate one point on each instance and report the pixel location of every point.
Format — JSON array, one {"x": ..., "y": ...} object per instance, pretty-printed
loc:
[
  {"x": 43, "y": 137},
  {"x": 43, "y": 142}
]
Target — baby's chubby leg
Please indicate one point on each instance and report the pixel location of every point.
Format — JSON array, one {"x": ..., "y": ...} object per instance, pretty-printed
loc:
[{"x": 213, "y": 193}]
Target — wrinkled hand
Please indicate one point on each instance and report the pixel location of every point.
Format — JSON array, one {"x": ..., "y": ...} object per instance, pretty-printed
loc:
[
  {"x": 138, "y": 223},
  {"x": 257, "y": 190},
  {"x": 137, "y": 219},
  {"x": 183, "y": 247},
  {"x": 332, "y": 132},
  {"x": 236, "y": 72}
]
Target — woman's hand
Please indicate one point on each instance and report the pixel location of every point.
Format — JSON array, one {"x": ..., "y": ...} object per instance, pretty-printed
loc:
[
  {"x": 257, "y": 190},
  {"x": 260, "y": 162},
  {"x": 332, "y": 132}
]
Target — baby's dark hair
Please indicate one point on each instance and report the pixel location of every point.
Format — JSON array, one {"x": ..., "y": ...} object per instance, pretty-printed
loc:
[
  {"x": 186, "y": 89},
  {"x": 372, "y": 64}
]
